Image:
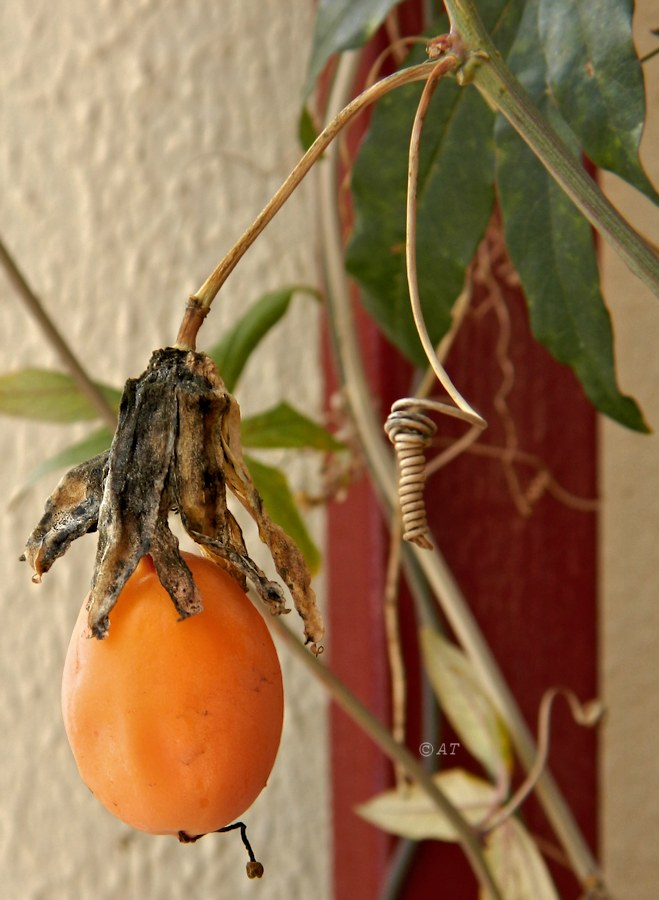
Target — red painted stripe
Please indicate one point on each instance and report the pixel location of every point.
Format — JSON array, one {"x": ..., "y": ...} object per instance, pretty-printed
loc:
[{"x": 530, "y": 581}]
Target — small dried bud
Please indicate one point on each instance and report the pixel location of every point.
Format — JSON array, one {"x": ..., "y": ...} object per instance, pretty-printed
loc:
[{"x": 254, "y": 869}]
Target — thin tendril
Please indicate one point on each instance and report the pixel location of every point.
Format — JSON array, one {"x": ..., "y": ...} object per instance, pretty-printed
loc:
[
  {"x": 464, "y": 410},
  {"x": 408, "y": 426},
  {"x": 585, "y": 714}
]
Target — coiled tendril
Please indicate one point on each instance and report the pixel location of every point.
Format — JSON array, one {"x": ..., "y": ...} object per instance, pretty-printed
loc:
[
  {"x": 408, "y": 426},
  {"x": 410, "y": 430}
]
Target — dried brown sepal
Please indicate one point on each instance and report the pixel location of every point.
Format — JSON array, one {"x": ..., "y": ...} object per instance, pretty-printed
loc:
[
  {"x": 71, "y": 511},
  {"x": 173, "y": 571},
  {"x": 200, "y": 488},
  {"x": 285, "y": 553},
  {"x": 132, "y": 506},
  {"x": 177, "y": 447}
]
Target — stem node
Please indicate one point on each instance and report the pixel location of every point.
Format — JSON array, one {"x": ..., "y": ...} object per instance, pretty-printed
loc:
[{"x": 195, "y": 313}]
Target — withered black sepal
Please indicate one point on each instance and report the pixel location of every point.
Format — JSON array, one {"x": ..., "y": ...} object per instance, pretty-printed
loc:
[
  {"x": 177, "y": 447},
  {"x": 132, "y": 518},
  {"x": 71, "y": 511}
]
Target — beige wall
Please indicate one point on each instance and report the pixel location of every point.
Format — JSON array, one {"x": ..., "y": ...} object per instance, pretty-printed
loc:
[
  {"x": 630, "y": 549},
  {"x": 137, "y": 140}
]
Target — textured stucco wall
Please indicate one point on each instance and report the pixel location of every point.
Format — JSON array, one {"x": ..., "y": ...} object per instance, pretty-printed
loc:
[
  {"x": 137, "y": 141},
  {"x": 629, "y": 554}
]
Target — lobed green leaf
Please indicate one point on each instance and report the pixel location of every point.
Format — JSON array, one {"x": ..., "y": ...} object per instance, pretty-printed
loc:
[
  {"x": 552, "y": 246},
  {"x": 232, "y": 352},
  {"x": 273, "y": 486},
  {"x": 454, "y": 199},
  {"x": 48, "y": 396},
  {"x": 284, "y": 426},
  {"x": 343, "y": 25},
  {"x": 596, "y": 79}
]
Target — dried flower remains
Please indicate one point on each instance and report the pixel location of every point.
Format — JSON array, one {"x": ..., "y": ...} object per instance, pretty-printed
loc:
[{"x": 176, "y": 449}]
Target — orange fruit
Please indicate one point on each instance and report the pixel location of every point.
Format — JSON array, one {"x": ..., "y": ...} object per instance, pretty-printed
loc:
[{"x": 175, "y": 725}]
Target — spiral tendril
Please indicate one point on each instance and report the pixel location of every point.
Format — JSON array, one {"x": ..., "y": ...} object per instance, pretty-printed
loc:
[{"x": 410, "y": 430}]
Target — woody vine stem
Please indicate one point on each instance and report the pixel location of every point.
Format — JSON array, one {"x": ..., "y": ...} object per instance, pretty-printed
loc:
[{"x": 469, "y": 50}]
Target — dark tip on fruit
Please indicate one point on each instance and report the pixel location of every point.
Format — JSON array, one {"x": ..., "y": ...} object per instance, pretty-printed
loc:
[{"x": 254, "y": 869}]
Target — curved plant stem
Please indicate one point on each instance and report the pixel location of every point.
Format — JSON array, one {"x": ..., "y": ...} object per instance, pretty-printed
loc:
[
  {"x": 200, "y": 302},
  {"x": 503, "y": 91},
  {"x": 397, "y": 753},
  {"x": 381, "y": 466},
  {"x": 55, "y": 339}
]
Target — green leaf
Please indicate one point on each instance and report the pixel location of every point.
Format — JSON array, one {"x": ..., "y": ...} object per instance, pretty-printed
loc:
[
  {"x": 410, "y": 813},
  {"x": 284, "y": 426},
  {"x": 48, "y": 396},
  {"x": 597, "y": 81},
  {"x": 233, "y": 351},
  {"x": 272, "y": 485},
  {"x": 517, "y": 865},
  {"x": 552, "y": 247},
  {"x": 466, "y": 703},
  {"x": 307, "y": 131},
  {"x": 343, "y": 25},
  {"x": 454, "y": 199},
  {"x": 92, "y": 445}
]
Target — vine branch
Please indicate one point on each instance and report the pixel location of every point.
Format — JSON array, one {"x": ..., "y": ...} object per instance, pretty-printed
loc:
[{"x": 55, "y": 339}]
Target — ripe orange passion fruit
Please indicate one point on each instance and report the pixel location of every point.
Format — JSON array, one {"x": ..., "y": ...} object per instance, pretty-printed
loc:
[{"x": 175, "y": 725}]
